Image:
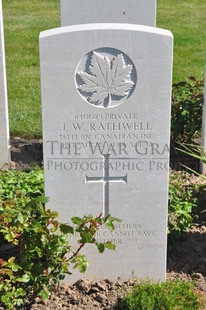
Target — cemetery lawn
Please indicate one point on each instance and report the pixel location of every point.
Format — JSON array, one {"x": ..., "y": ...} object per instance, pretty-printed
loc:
[
  {"x": 186, "y": 19},
  {"x": 23, "y": 21}
]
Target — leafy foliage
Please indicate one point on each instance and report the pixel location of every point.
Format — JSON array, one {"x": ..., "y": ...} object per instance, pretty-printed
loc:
[
  {"x": 187, "y": 102},
  {"x": 19, "y": 185},
  {"x": 106, "y": 78},
  {"x": 181, "y": 203},
  {"x": 165, "y": 296},
  {"x": 40, "y": 254}
]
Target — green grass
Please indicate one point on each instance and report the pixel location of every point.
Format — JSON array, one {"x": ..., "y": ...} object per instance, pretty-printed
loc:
[
  {"x": 186, "y": 19},
  {"x": 23, "y": 21},
  {"x": 171, "y": 295}
]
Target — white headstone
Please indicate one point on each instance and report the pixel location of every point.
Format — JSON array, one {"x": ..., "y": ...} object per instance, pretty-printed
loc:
[
  {"x": 142, "y": 12},
  {"x": 4, "y": 127},
  {"x": 203, "y": 165},
  {"x": 106, "y": 92}
]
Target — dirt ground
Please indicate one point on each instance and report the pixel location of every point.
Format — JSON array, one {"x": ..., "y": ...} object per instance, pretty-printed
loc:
[
  {"x": 186, "y": 258},
  {"x": 186, "y": 261}
]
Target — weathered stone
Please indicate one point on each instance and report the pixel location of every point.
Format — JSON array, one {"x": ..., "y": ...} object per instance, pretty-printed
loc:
[
  {"x": 106, "y": 99},
  {"x": 141, "y": 12}
]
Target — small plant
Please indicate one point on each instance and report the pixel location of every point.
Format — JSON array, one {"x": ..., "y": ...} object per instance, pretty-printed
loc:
[
  {"x": 187, "y": 102},
  {"x": 194, "y": 150},
  {"x": 20, "y": 185},
  {"x": 39, "y": 249},
  {"x": 171, "y": 295},
  {"x": 181, "y": 203},
  {"x": 35, "y": 253}
]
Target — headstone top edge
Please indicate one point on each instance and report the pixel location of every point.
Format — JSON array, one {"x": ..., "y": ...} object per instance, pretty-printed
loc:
[{"x": 105, "y": 26}]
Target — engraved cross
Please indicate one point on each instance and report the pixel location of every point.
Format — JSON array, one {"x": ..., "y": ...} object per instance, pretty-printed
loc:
[{"x": 106, "y": 179}]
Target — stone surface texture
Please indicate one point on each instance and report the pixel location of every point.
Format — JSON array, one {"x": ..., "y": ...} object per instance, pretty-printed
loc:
[
  {"x": 142, "y": 12},
  {"x": 106, "y": 99}
]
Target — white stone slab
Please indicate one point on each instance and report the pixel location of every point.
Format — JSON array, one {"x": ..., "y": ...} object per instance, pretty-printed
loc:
[
  {"x": 4, "y": 127},
  {"x": 74, "y": 12},
  {"x": 203, "y": 165},
  {"x": 106, "y": 89}
]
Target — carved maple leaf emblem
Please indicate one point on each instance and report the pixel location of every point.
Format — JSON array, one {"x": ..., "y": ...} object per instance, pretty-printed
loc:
[{"x": 106, "y": 79}]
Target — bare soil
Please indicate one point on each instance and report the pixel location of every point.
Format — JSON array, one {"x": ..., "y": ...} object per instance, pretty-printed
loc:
[
  {"x": 186, "y": 254},
  {"x": 26, "y": 153}
]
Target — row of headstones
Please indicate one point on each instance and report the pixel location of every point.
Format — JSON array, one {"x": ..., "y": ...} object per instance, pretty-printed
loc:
[
  {"x": 73, "y": 12},
  {"x": 133, "y": 13},
  {"x": 106, "y": 99}
]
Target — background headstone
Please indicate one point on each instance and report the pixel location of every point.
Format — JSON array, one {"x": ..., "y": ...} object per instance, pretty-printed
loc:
[
  {"x": 74, "y": 12},
  {"x": 106, "y": 98},
  {"x": 203, "y": 165},
  {"x": 4, "y": 126}
]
